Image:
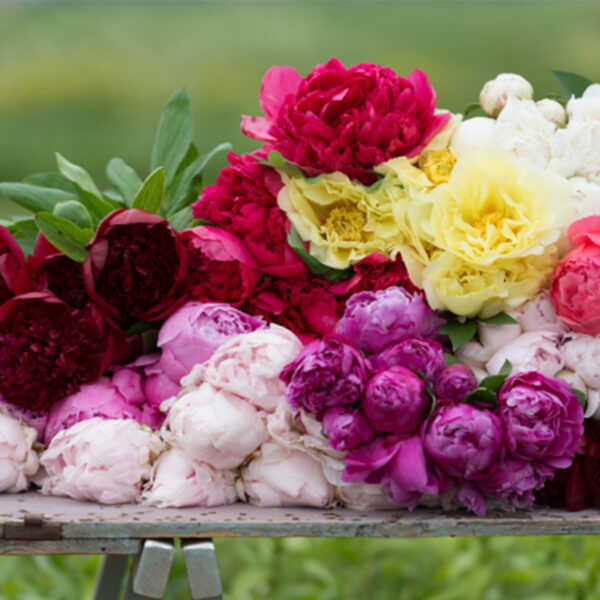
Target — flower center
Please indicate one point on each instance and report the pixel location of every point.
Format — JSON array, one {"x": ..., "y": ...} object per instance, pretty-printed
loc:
[
  {"x": 347, "y": 223},
  {"x": 437, "y": 165}
]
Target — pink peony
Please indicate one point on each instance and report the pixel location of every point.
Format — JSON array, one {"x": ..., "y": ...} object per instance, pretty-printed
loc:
[
  {"x": 347, "y": 120},
  {"x": 14, "y": 275},
  {"x": 283, "y": 477},
  {"x": 178, "y": 480},
  {"x": 18, "y": 461},
  {"x": 100, "y": 460}
]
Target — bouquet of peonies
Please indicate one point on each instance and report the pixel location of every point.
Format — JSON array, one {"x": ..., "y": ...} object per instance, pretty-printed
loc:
[{"x": 385, "y": 305}]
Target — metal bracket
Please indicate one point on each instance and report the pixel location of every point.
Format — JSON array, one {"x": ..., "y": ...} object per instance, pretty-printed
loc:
[
  {"x": 33, "y": 527},
  {"x": 202, "y": 569},
  {"x": 150, "y": 570}
]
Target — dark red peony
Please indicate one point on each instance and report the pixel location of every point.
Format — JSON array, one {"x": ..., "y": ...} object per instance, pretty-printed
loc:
[
  {"x": 348, "y": 120},
  {"x": 14, "y": 275},
  {"x": 48, "y": 349},
  {"x": 135, "y": 267}
]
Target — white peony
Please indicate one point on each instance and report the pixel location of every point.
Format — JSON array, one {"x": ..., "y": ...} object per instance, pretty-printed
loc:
[{"x": 498, "y": 91}]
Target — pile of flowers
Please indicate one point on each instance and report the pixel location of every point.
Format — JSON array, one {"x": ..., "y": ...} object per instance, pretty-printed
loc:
[{"x": 386, "y": 304}]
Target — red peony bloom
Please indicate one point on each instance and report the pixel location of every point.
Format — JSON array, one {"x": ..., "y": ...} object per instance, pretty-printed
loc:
[
  {"x": 14, "y": 275},
  {"x": 243, "y": 201},
  {"x": 48, "y": 349},
  {"x": 56, "y": 273},
  {"x": 348, "y": 120},
  {"x": 135, "y": 266},
  {"x": 220, "y": 268}
]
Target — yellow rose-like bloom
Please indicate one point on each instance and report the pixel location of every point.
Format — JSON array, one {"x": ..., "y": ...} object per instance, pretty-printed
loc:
[
  {"x": 468, "y": 290},
  {"x": 493, "y": 210},
  {"x": 344, "y": 221}
]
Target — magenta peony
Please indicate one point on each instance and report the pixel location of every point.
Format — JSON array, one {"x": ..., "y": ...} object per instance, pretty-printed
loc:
[
  {"x": 455, "y": 383},
  {"x": 346, "y": 428},
  {"x": 347, "y": 120}
]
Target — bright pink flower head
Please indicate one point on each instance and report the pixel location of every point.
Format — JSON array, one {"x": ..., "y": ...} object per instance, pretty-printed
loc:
[
  {"x": 348, "y": 120},
  {"x": 575, "y": 285}
]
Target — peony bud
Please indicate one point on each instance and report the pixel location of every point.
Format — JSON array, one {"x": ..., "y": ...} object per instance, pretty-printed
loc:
[
  {"x": 552, "y": 111},
  {"x": 496, "y": 92}
]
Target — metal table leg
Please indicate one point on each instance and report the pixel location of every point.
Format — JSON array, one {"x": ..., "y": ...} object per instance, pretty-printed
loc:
[
  {"x": 202, "y": 569},
  {"x": 110, "y": 578},
  {"x": 150, "y": 570}
]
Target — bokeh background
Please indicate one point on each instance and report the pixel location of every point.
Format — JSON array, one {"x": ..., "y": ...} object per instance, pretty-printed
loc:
[{"x": 88, "y": 79}]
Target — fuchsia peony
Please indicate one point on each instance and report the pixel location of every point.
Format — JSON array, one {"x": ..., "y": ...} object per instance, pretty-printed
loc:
[
  {"x": 348, "y": 120},
  {"x": 455, "y": 383},
  {"x": 575, "y": 285},
  {"x": 346, "y": 428}
]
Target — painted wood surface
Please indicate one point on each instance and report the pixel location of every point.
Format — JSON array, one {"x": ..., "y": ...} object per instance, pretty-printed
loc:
[
  {"x": 90, "y": 520},
  {"x": 70, "y": 546}
]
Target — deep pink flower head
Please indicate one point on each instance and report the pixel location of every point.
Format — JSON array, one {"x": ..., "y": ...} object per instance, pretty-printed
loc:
[
  {"x": 374, "y": 320},
  {"x": 542, "y": 417},
  {"x": 348, "y": 120},
  {"x": 243, "y": 201},
  {"x": 326, "y": 373},
  {"x": 417, "y": 354},
  {"x": 14, "y": 275},
  {"x": 575, "y": 285},
  {"x": 346, "y": 428},
  {"x": 466, "y": 442},
  {"x": 395, "y": 401},
  {"x": 455, "y": 383},
  {"x": 369, "y": 462}
]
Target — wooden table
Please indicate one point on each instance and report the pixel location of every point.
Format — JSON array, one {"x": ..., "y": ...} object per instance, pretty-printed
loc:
[{"x": 34, "y": 524}]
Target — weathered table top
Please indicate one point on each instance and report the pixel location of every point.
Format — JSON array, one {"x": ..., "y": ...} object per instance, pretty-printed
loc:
[{"x": 87, "y": 520}]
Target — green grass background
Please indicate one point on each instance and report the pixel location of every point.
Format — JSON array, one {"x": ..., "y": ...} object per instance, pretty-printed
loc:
[{"x": 88, "y": 79}]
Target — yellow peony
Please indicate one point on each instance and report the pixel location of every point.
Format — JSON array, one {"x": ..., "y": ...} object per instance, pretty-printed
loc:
[
  {"x": 344, "y": 221},
  {"x": 469, "y": 290}
]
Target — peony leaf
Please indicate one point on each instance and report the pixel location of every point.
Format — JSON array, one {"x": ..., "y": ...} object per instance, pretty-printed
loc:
[
  {"x": 459, "y": 333},
  {"x": 276, "y": 160},
  {"x": 506, "y": 368},
  {"x": 34, "y": 198},
  {"x": 124, "y": 178},
  {"x": 182, "y": 219},
  {"x": 150, "y": 195},
  {"x": 64, "y": 235},
  {"x": 470, "y": 109},
  {"x": 451, "y": 359},
  {"x": 581, "y": 397},
  {"x": 174, "y": 135},
  {"x": 572, "y": 84},
  {"x": 314, "y": 266},
  {"x": 499, "y": 319},
  {"x": 482, "y": 396},
  {"x": 78, "y": 175},
  {"x": 54, "y": 180},
  {"x": 74, "y": 211},
  {"x": 25, "y": 231}
]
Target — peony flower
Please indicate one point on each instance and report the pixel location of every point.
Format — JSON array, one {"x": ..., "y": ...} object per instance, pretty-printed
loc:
[
  {"x": 214, "y": 426},
  {"x": 575, "y": 285},
  {"x": 193, "y": 333},
  {"x": 35, "y": 419},
  {"x": 496, "y": 92},
  {"x": 178, "y": 480},
  {"x": 585, "y": 198},
  {"x": 465, "y": 441},
  {"x": 100, "y": 460},
  {"x": 369, "y": 462},
  {"x": 249, "y": 365},
  {"x": 375, "y": 320},
  {"x": 455, "y": 383},
  {"x": 220, "y": 268},
  {"x": 538, "y": 314},
  {"x": 243, "y": 201},
  {"x": 552, "y": 111},
  {"x": 18, "y": 461},
  {"x": 478, "y": 132},
  {"x": 581, "y": 353},
  {"x": 347, "y": 120},
  {"x": 135, "y": 266},
  {"x": 417, "y": 354},
  {"x": 396, "y": 401},
  {"x": 533, "y": 351},
  {"x": 346, "y": 428},
  {"x": 284, "y": 477},
  {"x": 327, "y": 373},
  {"x": 14, "y": 275},
  {"x": 542, "y": 418},
  {"x": 48, "y": 350}
]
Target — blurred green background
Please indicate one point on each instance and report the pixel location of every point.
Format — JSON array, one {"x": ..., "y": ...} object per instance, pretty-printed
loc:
[{"x": 89, "y": 79}]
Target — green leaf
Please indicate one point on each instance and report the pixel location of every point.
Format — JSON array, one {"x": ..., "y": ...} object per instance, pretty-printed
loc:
[
  {"x": 182, "y": 186},
  {"x": 25, "y": 231},
  {"x": 572, "y": 84},
  {"x": 459, "y": 333},
  {"x": 64, "y": 235},
  {"x": 34, "y": 198},
  {"x": 124, "y": 178},
  {"x": 374, "y": 186},
  {"x": 451, "y": 359},
  {"x": 74, "y": 211},
  {"x": 494, "y": 382},
  {"x": 314, "y": 266},
  {"x": 77, "y": 175},
  {"x": 97, "y": 207},
  {"x": 276, "y": 160},
  {"x": 500, "y": 319},
  {"x": 581, "y": 398},
  {"x": 482, "y": 396},
  {"x": 182, "y": 219},
  {"x": 51, "y": 180},
  {"x": 470, "y": 109},
  {"x": 151, "y": 193},
  {"x": 174, "y": 135},
  {"x": 506, "y": 368}
]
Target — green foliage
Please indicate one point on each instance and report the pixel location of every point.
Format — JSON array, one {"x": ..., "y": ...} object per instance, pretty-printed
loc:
[
  {"x": 572, "y": 84},
  {"x": 150, "y": 195},
  {"x": 124, "y": 178},
  {"x": 64, "y": 235},
  {"x": 459, "y": 333},
  {"x": 500, "y": 319}
]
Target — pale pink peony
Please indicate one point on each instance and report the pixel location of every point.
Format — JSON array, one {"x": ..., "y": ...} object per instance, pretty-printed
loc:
[
  {"x": 35, "y": 419},
  {"x": 538, "y": 314},
  {"x": 581, "y": 354},
  {"x": 103, "y": 460},
  {"x": 249, "y": 365},
  {"x": 283, "y": 477},
  {"x": 18, "y": 461},
  {"x": 179, "y": 480},
  {"x": 214, "y": 426}
]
